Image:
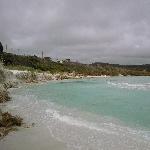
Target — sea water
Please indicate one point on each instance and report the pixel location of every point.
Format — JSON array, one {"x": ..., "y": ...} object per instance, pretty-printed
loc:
[{"x": 99, "y": 113}]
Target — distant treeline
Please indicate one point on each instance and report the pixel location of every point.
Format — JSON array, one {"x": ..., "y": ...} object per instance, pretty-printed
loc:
[{"x": 46, "y": 64}]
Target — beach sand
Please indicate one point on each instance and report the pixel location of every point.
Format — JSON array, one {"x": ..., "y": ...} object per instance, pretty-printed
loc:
[{"x": 34, "y": 138}]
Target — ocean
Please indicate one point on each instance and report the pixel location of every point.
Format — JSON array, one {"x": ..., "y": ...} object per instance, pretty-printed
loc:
[{"x": 90, "y": 114}]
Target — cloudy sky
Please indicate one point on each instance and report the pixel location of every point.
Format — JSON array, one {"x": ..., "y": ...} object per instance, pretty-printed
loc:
[{"x": 115, "y": 31}]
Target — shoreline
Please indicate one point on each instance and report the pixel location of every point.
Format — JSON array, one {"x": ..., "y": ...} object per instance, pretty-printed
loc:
[
  {"x": 53, "y": 124},
  {"x": 28, "y": 76},
  {"x": 23, "y": 78},
  {"x": 57, "y": 122},
  {"x": 61, "y": 121}
]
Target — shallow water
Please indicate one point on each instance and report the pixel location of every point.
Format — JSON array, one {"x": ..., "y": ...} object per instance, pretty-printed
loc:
[
  {"x": 127, "y": 99},
  {"x": 104, "y": 113}
]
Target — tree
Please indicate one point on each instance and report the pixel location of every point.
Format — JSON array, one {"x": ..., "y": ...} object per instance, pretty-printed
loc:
[{"x": 1, "y": 48}]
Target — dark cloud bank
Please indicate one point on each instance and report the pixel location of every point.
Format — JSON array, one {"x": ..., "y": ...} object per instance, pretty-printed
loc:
[{"x": 115, "y": 31}]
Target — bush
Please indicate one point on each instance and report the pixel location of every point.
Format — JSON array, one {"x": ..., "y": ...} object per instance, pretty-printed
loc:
[
  {"x": 7, "y": 120},
  {"x": 8, "y": 123}
]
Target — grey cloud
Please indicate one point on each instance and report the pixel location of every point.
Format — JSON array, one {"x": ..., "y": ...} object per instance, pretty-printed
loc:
[{"x": 84, "y": 30}]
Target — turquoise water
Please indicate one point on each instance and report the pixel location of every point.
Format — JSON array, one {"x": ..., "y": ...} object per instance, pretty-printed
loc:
[
  {"x": 124, "y": 98},
  {"x": 101, "y": 113}
]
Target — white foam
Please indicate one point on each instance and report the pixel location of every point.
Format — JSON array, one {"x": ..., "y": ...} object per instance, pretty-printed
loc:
[
  {"x": 108, "y": 128},
  {"x": 78, "y": 122},
  {"x": 140, "y": 86},
  {"x": 45, "y": 110}
]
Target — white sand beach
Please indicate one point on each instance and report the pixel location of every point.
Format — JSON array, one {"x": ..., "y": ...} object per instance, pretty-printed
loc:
[{"x": 35, "y": 138}]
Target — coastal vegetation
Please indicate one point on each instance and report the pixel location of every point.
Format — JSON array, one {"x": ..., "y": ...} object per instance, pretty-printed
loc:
[{"x": 35, "y": 63}]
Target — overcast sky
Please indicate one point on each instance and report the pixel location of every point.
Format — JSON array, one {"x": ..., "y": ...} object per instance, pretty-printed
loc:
[{"x": 115, "y": 31}]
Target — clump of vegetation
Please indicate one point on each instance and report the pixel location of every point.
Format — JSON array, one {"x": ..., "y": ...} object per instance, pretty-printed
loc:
[
  {"x": 7, "y": 120},
  {"x": 2, "y": 74},
  {"x": 8, "y": 123},
  {"x": 4, "y": 96}
]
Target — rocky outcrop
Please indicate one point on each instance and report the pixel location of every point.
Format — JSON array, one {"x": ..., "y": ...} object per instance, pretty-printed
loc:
[
  {"x": 34, "y": 77},
  {"x": 26, "y": 76}
]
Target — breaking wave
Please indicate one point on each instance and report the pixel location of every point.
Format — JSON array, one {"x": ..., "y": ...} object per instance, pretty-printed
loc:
[
  {"x": 43, "y": 112},
  {"x": 125, "y": 85}
]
